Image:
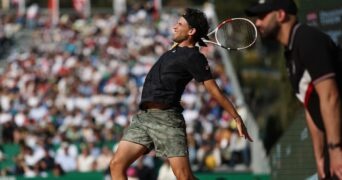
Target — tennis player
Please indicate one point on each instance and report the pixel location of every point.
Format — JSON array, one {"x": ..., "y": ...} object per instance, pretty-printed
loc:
[
  {"x": 160, "y": 125},
  {"x": 314, "y": 69}
]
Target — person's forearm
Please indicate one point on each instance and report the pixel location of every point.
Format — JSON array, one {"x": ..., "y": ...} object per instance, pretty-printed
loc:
[
  {"x": 227, "y": 105},
  {"x": 331, "y": 112},
  {"x": 317, "y": 137},
  {"x": 330, "y": 107},
  {"x": 215, "y": 91},
  {"x": 220, "y": 98}
]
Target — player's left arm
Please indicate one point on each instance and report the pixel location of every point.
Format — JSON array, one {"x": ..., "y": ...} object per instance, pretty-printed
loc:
[
  {"x": 330, "y": 105},
  {"x": 216, "y": 92}
]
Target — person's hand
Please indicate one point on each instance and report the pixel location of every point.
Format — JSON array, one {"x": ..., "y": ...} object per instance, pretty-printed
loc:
[
  {"x": 336, "y": 162},
  {"x": 242, "y": 129},
  {"x": 320, "y": 167}
]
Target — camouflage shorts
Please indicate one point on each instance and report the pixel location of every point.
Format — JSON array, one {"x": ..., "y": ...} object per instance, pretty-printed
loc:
[{"x": 161, "y": 130}]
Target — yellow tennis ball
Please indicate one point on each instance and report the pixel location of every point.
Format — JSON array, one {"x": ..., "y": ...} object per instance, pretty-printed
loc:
[{"x": 210, "y": 162}]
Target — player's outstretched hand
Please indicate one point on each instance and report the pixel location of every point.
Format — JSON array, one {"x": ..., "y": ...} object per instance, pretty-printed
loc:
[
  {"x": 242, "y": 129},
  {"x": 336, "y": 162}
]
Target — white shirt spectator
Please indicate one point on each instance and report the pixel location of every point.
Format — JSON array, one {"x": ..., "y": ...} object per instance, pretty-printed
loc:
[
  {"x": 38, "y": 113},
  {"x": 67, "y": 162},
  {"x": 190, "y": 115},
  {"x": 71, "y": 150},
  {"x": 102, "y": 115},
  {"x": 103, "y": 160},
  {"x": 88, "y": 134},
  {"x": 5, "y": 117},
  {"x": 83, "y": 103},
  {"x": 85, "y": 161},
  {"x": 5, "y": 102},
  {"x": 66, "y": 159},
  {"x": 20, "y": 119},
  {"x": 122, "y": 120},
  {"x": 166, "y": 173}
]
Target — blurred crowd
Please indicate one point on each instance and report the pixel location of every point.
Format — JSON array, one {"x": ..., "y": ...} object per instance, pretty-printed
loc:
[
  {"x": 6, "y": 40},
  {"x": 68, "y": 97}
]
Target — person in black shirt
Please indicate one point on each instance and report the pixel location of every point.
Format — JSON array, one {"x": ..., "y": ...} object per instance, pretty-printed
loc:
[
  {"x": 160, "y": 124},
  {"x": 313, "y": 65}
]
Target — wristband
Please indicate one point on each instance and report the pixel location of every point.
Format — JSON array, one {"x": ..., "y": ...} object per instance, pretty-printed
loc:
[{"x": 333, "y": 146}]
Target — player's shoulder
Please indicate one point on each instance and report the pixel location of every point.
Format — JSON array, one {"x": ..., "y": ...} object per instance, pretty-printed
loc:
[
  {"x": 193, "y": 54},
  {"x": 190, "y": 51},
  {"x": 310, "y": 33}
]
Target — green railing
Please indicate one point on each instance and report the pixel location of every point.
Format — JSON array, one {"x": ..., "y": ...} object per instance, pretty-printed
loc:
[{"x": 201, "y": 176}]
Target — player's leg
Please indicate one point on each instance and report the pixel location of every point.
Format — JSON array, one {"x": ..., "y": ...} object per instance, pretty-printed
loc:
[
  {"x": 134, "y": 144},
  {"x": 125, "y": 155},
  {"x": 181, "y": 168},
  {"x": 167, "y": 129}
]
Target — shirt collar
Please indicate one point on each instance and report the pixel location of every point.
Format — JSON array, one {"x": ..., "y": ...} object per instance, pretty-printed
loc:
[{"x": 292, "y": 35}]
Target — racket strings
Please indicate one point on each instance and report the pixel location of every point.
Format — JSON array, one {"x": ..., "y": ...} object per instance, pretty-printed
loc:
[{"x": 236, "y": 34}]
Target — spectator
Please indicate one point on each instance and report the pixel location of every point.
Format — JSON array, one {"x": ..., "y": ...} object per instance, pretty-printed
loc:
[
  {"x": 103, "y": 159},
  {"x": 47, "y": 163},
  {"x": 57, "y": 170},
  {"x": 165, "y": 172},
  {"x": 144, "y": 172},
  {"x": 66, "y": 160},
  {"x": 85, "y": 161}
]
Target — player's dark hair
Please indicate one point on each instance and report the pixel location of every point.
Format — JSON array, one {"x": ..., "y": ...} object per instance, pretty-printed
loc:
[{"x": 198, "y": 20}]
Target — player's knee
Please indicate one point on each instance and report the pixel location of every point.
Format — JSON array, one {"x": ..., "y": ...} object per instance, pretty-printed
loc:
[
  {"x": 117, "y": 169},
  {"x": 115, "y": 164}
]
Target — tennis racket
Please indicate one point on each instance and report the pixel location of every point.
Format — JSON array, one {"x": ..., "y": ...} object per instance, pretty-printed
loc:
[{"x": 233, "y": 34}]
